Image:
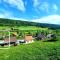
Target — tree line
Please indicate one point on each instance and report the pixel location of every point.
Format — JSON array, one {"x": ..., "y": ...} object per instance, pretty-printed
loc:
[{"x": 11, "y": 22}]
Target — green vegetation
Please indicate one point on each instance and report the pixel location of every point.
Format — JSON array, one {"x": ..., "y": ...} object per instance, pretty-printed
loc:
[
  {"x": 12, "y": 23},
  {"x": 38, "y": 50},
  {"x": 35, "y": 51}
]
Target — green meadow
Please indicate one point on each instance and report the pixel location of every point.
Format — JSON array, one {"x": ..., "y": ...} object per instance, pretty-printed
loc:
[{"x": 38, "y": 50}]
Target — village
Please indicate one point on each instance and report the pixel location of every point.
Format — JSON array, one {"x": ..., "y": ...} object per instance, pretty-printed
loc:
[{"x": 12, "y": 40}]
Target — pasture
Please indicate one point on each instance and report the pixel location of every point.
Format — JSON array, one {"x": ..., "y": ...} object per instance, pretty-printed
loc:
[
  {"x": 39, "y": 50},
  {"x": 34, "y": 51}
]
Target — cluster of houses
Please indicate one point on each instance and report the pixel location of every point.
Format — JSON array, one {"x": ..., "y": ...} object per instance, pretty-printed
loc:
[
  {"x": 14, "y": 41},
  {"x": 42, "y": 36},
  {"x": 27, "y": 39}
]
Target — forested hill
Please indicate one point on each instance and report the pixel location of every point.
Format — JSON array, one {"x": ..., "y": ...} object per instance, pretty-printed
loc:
[{"x": 10, "y": 22}]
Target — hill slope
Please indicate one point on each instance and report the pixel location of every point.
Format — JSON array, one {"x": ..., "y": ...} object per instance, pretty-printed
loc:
[
  {"x": 34, "y": 51},
  {"x": 9, "y": 22}
]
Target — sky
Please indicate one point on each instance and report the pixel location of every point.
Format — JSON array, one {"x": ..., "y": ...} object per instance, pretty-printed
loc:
[{"x": 42, "y": 11}]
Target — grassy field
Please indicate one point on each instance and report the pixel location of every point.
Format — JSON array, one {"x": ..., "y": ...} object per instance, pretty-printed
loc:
[
  {"x": 22, "y": 28},
  {"x": 38, "y": 50},
  {"x": 34, "y": 51}
]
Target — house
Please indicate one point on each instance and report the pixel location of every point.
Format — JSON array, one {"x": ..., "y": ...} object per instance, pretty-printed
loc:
[
  {"x": 28, "y": 39},
  {"x": 12, "y": 40},
  {"x": 40, "y": 36},
  {"x": 52, "y": 37},
  {"x": 49, "y": 36},
  {"x": 7, "y": 41}
]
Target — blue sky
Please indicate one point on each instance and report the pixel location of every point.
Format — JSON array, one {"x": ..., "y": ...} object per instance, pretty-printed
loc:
[{"x": 43, "y": 11}]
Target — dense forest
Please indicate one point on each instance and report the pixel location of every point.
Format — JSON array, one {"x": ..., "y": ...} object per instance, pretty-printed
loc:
[{"x": 10, "y": 22}]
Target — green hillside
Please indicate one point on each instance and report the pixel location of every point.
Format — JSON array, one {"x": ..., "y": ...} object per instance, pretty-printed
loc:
[
  {"x": 38, "y": 50},
  {"x": 34, "y": 51},
  {"x": 11, "y": 22}
]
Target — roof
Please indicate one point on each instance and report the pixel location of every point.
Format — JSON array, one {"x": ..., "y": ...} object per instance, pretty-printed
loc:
[
  {"x": 28, "y": 38},
  {"x": 41, "y": 35},
  {"x": 12, "y": 39}
]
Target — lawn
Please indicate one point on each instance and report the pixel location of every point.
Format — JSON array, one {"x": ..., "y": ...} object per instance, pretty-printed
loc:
[{"x": 34, "y": 51}]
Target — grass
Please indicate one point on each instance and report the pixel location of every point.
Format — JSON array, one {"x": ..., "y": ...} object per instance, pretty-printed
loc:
[
  {"x": 23, "y": 28},
  {"x": 38, "y": 50},
  {"x": 35, "y": 51}
]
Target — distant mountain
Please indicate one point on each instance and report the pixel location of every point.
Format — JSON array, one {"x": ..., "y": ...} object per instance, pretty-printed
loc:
[{"x": 10, "y": 22}]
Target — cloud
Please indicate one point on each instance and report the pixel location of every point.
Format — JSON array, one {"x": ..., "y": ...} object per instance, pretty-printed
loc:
[
  {"x": 36, "y": 3},
  {"x": 44, "y": 6},
  {"x": 40, "y": 6},
  {"x": 55, "y": 7},
  {"x": 52, "y": 19},
  {"x": 9, "y": 15},
  {"x": 19, "y": 4},
  {"x": 5, "y": 14}
]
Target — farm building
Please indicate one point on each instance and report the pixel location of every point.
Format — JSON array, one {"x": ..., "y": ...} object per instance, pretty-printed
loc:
[
  {"x": 28, "y": 39},
  {"x": 49, "y": 36},
  {"x": 40, "y": 36},
  {"x": 8, "y": 41}
]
